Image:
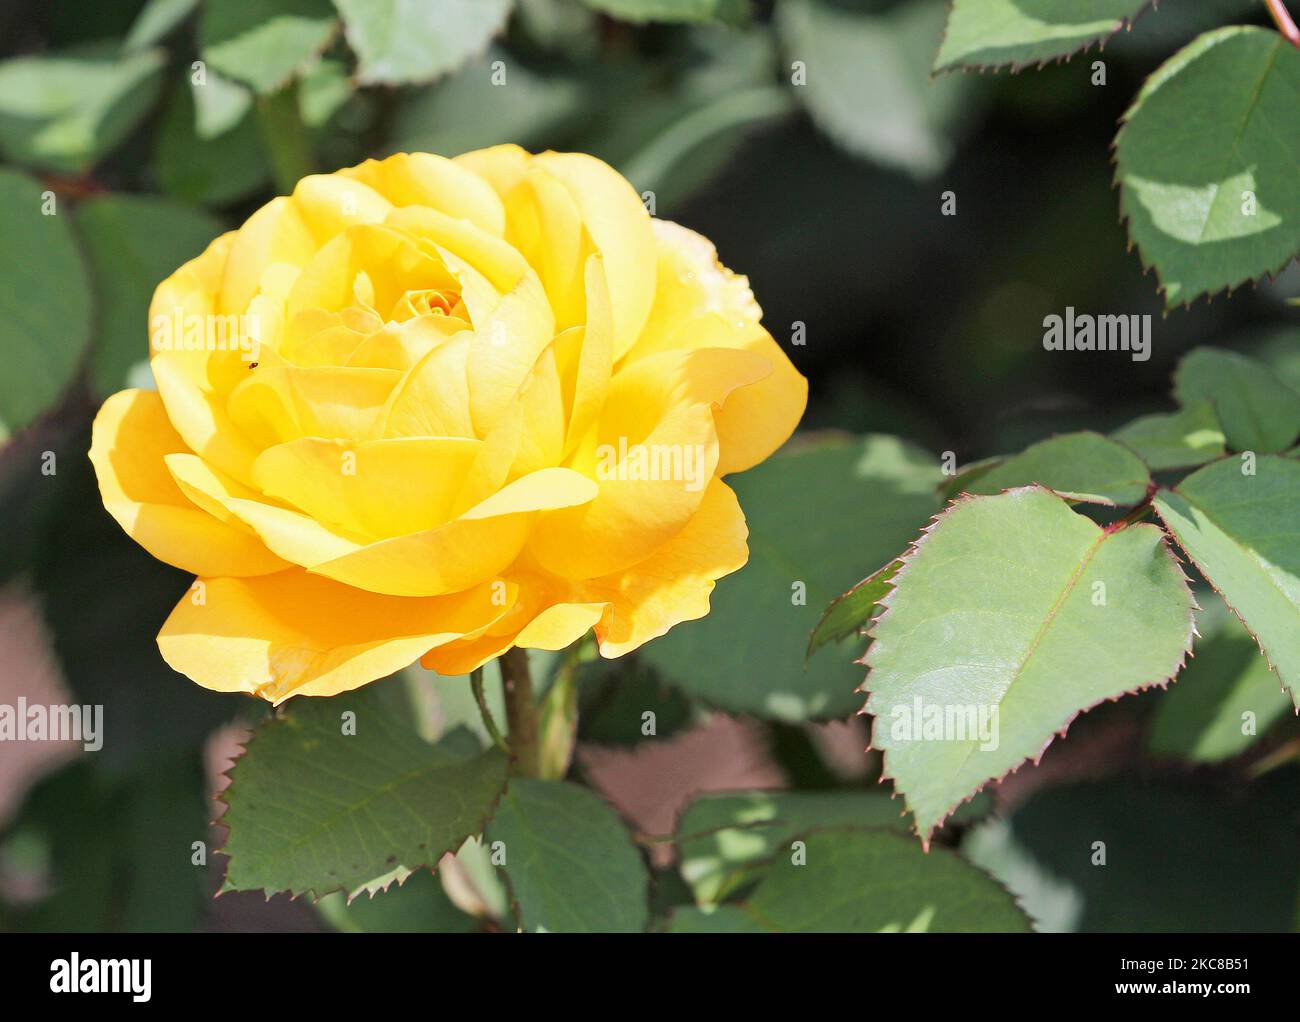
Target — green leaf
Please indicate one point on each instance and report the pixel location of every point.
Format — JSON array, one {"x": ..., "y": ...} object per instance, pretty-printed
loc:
[
  {"x": 719, "y": 919},
  {"x": 1217, "y": 206},
  {"x": 262, "y": 43},
  {"x": 66, "y": 111},
  {"x": 879, "y": 881},
  {"x": 692, "y": 138},
  {"x": 959, "y": 481},
  {"x": 1242, "y": 532},
  {"x": 719, "y": 87},
  {"x": 403, "y": 41},
  {"x": 615, "y": 695},
  {"x": 416, "y": 905},
  {"x": 219, "y": 105},
  {"x": 732, "y": 11},
  {"x": 466, "y": 111},
  {"x": 1009, "y": 618},
  {"x": 994, "y": 33},
  {"x": 132, "y": 243},
  {"x": 724, "y": 841},
  {"x": 322, "y": 91},
  {"x": 1259, "y": 412},
  {"x": 868, "y": 82},
  {"x": 44, "y": 302},
  {"x": 850, "y": 613},
  {"x": 157, "y": 20},
  {"x": 570, "y": 864},
  {"x": 1178, "y": 859},
  {"x": 1186, "y": 438},
  {"x": 868, "y": 499},
  {"x": 1080, "y": 466},
  {"x": 1203, "y": 717},
  {"x": 315, "y": 810},
  {"x": 119, "y": 846},
  {"x": 213, "y": 169},
  {"x": 1053, "y": 904}
]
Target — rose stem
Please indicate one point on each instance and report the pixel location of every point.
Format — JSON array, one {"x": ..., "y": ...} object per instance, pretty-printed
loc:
[
  {"x": 489, "y": 722},
  {"x": 1285, "y": 24},
  {"x": 521, "y": 710}
]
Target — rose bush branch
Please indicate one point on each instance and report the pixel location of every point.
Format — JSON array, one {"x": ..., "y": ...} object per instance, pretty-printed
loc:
[
  {"x": 521, "y": 710},
  {"x": 1285, "y": 23}
]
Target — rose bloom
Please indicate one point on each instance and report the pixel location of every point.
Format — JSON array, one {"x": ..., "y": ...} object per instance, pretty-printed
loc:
[{"x": 432, "y": 409}]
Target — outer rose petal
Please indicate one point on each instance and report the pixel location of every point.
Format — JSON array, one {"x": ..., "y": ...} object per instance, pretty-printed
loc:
[
  {"x": 293, "y": 633},
  {"x": 131, "y": 438},
  {"x": 627, "y": 609},
  {"x": 663, "y": 402},
  {"x": 699, "y": 303},
  {"x": 673, "y": 585}
]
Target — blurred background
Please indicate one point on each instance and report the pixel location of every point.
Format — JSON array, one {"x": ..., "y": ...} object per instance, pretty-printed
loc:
[{"x": 829, "y": 195}]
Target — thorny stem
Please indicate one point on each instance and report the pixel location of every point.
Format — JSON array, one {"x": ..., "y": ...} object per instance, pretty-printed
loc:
[
  {"x": 489, "y": 722},
  {"x": 521, "y": 711},
  {"x": 1285, "y": 23}
]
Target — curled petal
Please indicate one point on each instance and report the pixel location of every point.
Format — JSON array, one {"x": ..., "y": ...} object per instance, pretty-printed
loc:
[
  {"x": 130, "y": 440},
  {"x": 293, "y": 633}
]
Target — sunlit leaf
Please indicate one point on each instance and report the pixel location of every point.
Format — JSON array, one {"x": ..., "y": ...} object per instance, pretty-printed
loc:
[
  {"x": 1010, "y": 617},
  {"x": 1217, "y": 206},
  {"x": 1242, "y": 530}
]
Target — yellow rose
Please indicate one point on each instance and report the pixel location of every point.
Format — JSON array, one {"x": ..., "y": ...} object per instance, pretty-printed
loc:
[{"x": 432, "y": 409}]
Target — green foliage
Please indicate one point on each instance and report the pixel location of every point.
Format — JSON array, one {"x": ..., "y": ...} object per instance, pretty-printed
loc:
[
  {"x": 867, "y": 499},
  {"x": 1215, "y": 207},
  {"x": 1224, "y": 700},
  {"x": 400, "y": 41},
  {"x": 1186, "y": 438},
  {"x": 313, "y": 808},
  {"x": 1259, "y": 412},
  {"x": 262, "y": 43},
  {"x": 850, "y": 613},
  {"x": 115, "y": 863},
  {"x": 983, "y": 33},
  {"x": 868, "y": 83},
  {"x": 860, "y": 880},
  {"x": 1125, "y": 855},
  {"x": 157, "y": 20},
  {"x": 132, "y": 242},
  {"x": 1000, "y": 616},
  {"x": 1240, "y": 529},
  {"x": 208, "y": 147},
  {"x": 732, "y": 11},
  {"x": 44, "y": 302},
  {"x": 724, "y": 842},
  {"x": 1080, "y": 466},
  {"x": 569, "y": 862},
  {"x": 65, "y": 111},
  {"x": 417, "y": 905}
]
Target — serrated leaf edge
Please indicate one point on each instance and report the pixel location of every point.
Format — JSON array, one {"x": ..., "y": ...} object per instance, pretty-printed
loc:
[{"x": 885, "y": 604}]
